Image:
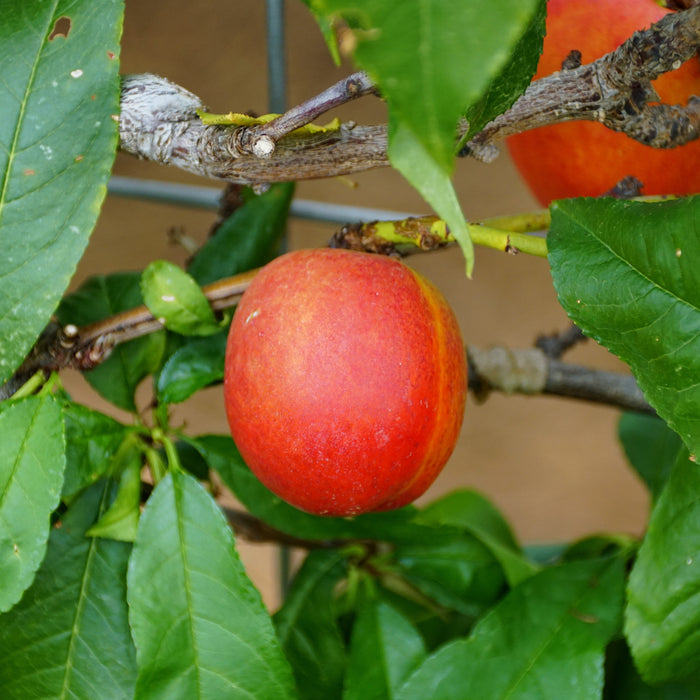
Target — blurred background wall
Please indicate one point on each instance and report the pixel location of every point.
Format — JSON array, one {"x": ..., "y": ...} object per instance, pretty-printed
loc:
[{"x": 553, "y": 466}]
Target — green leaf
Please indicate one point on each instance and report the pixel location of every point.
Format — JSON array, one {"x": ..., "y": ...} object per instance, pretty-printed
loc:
[
  {"x": 431, "y": 61},
  {"x": 604, "y": 545},
  {"x": 177, "y": 300},
  {"x": 249, "y": 238},
  {"x": 31, "y": 475},
  {"x": 626, "y": 273},
  {"x": 515, "y": 76},
  {"x": 410, "y": 157},
  {"x": 455, "y": 569},
  {"x": 437, "y": 625},
  {"x": 385, "y": 648},
  {"x": 121, "y": 520},
  {"x": 471, "y": 511},
  {"x": 210, "y": 636},
  {"x": 663, "y": 614},
  {"x": 651, "y": 448},
  {"x": 69, "y": 635},
  {"x": 308, "y": 629},
  {"x": 197, "y": 364},
  {"x": 102, "y": 296},
  {"x": 191, "y": 460},
  {"x": 92, "y": 439},
  {"x": 622, "y": 682},
  {"x": 544, "y": 641},
  {"x": 58, "y": 137}
]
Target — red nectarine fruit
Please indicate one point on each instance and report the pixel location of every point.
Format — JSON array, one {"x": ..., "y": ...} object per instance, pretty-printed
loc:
[
  {"x": 345, "y": 381},
  {"x": 577, "y": 159}
]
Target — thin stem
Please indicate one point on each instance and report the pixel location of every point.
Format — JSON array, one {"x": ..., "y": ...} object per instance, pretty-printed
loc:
[
  {"x": 508, "y": 242},
  {"x": 155, "y": 463},
  {"x": 529, "y": 222},
  {"x": 426, "y": 233},
  {"x": 30, "y": 386},
  {"x": 261, "y": 139}
]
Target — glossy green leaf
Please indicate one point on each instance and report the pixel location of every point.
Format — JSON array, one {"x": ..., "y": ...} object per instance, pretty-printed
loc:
[
  {"x": 432, "y": 61},
  {"x": 603, "y": 545},
  {"x": 627, "y": 274},
  {"x": 121, "y": 520},
  {"x": 92, "y": 440},
  {"x": 58, "y": 136},
  {"x": 98, "y": 298},
  {"x": 622, "y": 682},
  {"x": 544, "y": 641},
  {"x": 32, "y": 462},
  {"x": 651, "y": 448},
  {"x": 191, "y": 460},
  {"x": 197, "y": 364},
  {"x": 210, "y": 636},
  {"x": 471, "y": 511},
  {"x": 385, "y": 648},
  {"x": 437, "y": 625},
  {"x": 454, "y": 569},
  {"x": 249, "y": 238},
  {"x": 174, "y": 297},
  {"x": 308, "y": 629},
  {"x": 69, "y": 636},
  {"x": 663, "y": 614},
  {"x": 516, "y": 75}
]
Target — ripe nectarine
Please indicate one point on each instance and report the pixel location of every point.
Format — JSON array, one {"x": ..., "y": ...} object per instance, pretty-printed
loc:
[
  {"x": 345, "y": 381},
  {"x": 580, "y": 158}
]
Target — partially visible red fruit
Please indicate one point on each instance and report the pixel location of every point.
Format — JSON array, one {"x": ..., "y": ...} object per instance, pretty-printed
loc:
[{"x": 577, "y": 159}]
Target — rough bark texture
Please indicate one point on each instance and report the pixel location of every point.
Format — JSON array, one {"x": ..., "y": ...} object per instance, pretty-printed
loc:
[
  {"x": 615, "y": 90},
  {"x": 159, "y": 122},
  {"x": 159, "y": 119}
]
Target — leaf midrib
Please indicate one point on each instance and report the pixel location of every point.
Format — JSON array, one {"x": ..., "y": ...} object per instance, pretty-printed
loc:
[
  {"x": 178, "y": 498},
  {"x": 23, "y": 106},
  {"x": 20, "y": 452},
  {"x": 79, "y": 608}
]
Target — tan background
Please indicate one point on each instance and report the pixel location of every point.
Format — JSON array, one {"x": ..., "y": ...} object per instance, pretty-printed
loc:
[{"x": 553, "y": 466}]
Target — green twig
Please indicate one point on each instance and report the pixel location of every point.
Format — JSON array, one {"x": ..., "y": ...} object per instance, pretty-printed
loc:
[
  {"x": 31, "y": 385},
  {"x": 425, "y": 233}
]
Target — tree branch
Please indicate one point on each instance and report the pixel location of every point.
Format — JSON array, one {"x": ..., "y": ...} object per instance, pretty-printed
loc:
[
  {"x": 530, "y": 371},
  {"x": 615, "y": 90},
  {"x": 159, "y": 119},
  {"x": 159, "y": 122},
  {"x": 525, "y": 371}
]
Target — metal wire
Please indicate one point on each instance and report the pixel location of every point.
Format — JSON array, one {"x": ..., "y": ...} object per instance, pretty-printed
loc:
[
  {"x": 276, "y": 57},
  {"x": 201, "y": 197},
  {"x": 277, "y": 102}
]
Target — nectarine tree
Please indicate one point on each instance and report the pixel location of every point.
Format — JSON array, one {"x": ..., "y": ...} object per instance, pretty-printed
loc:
[{"x": 342, "y": 370}]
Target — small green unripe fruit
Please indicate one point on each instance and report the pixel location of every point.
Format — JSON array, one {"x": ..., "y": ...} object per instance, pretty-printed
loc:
[{"x": 345, "y": 381}]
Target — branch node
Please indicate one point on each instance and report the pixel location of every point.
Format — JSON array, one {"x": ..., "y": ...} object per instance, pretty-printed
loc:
[
  {"x": 68, "y": 336},
  {"x": 263, "y": 146},
  {"x": 510, "y": 371}
]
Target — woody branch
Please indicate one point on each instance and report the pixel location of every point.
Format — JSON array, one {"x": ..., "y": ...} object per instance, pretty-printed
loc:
[
  {"x": 159, "y": 119},
  {"x": 527, "y": 371}
]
